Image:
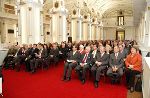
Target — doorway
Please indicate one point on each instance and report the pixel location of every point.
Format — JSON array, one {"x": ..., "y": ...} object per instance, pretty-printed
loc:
[{"x": 120, "y": 35}]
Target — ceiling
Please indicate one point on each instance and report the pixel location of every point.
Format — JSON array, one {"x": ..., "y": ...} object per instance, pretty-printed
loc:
[{"x": 105, "y": 8}]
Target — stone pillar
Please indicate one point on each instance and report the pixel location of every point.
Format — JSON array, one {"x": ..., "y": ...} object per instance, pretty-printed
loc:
[
  {"x": 76, "y": 25},
  {"x": 101, "y": 33},
  {"x": 85, "y": 29},
  {"x": 30, "y": 23},
  {"x": 3, "y": 32},
  {"x": 147, "y": 28},
  {"x": 58, "y": 13},
  {"x": 94, "y": 28}
]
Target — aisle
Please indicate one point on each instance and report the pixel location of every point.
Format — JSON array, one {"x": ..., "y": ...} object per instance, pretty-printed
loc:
[{"x": 48, "y": 84}]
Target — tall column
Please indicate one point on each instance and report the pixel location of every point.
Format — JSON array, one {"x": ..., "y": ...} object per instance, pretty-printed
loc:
[
  {"x": 94, "y": 28},
  {"x": 98, "y": 34},
  {"x": 58, "y": 13},
  {"x": 147, "y": 29},
  {"x": 3, "y": 32},
  {"x": 76, "y": 26},
  {"x": 101, "y": 33},
  {"x": 85, "y": 29},
  {"x": 90, "y": 30},
  {"x": 30, "y": 29}
]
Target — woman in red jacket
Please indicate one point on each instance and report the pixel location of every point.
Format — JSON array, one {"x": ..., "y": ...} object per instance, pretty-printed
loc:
[{"x": 133, "y": 67}]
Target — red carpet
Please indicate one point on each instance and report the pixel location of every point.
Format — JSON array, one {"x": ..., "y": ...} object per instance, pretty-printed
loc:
[{"x": 48, "y": 84}]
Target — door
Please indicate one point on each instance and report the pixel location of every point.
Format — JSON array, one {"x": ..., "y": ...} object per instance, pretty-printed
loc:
[{"x": 120, "y": 35}]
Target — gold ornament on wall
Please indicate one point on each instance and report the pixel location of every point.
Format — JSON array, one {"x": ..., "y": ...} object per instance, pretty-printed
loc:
[
  {"x": 74, "y": 12},
  {"x": 56, "y": 4},
  {"x": 93, "y": 20},
  {"x": 85, "y": 17}
]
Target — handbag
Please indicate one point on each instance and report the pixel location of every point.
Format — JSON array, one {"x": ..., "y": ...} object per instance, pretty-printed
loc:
[{"x": 138, "y": 85}]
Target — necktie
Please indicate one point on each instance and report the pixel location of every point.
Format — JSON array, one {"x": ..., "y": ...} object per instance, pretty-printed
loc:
[
  {"x": 116, "y": 55},
  {"x": 84, "y": 59}
]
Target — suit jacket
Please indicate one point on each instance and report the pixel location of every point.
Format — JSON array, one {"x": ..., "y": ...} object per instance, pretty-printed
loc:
[
  {"x": 32, "y": 52},
  {"x": 75, "y": 57},
  {"x": 20, "y": 52},
  {"x": 44, "y": 53},
  {"x": 54, "y": 52},
  {"x": 104, "y": 59},
  {"x": 89, "y": 58},
  {"x": 116, "y": 61}
]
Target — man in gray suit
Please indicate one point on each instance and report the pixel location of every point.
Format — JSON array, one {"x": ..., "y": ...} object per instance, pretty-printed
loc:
[
  {"x": 101, "y": 63},
  {"x": 72, "y": 60},
  {"x": 115, "y": 70}
]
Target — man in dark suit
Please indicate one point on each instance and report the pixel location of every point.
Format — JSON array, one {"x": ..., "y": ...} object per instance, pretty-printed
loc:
[
  {"x": 115, "y": 70},
  {"x": 32, "y": 55},
  {"x": 84, "y": 64},
  {"x": 21, "y": 56},
  {"x": 53, "y": 55},
  {"x": 72, "y": 61},
  {"x": 42, "y": 55},
  {"x": 101, "y": 63},
  {"x": 94, "y": 53}
]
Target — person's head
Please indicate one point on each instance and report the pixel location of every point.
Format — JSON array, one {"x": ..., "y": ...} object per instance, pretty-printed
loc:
[
  {"x": 30, "y": 46},
  {"x": 74, "y": 48},
  {"x": 87, "y": 49},
  {"x": 34, "y": 46},
  {"x": 94, "y": 47},
  {"x": 120, "y": 48},
  {"x": 134, "y": 50},
  {"x": 81, "y": 47},
  {"x": 102, "y": 49},
  {"x": 116, "y": 49},
  {"x": 63, "y": 45},
  {"x": 108, "y": 48},
  {"x": 54, "y": 46}
]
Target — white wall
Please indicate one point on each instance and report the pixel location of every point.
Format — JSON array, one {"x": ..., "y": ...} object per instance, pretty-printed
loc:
[
  {"x": 130, "y": 33},
  {"x": 110, "y": 33},
  {"x": 111, "y": 22},
  {"x": 110, "y": 27}
]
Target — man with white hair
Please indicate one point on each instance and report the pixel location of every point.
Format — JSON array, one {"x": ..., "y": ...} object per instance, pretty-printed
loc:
[
  {"x": 84, "y": 64},
  {"x": 100, "y": 64},
  {"x": 81, "y": 49}
]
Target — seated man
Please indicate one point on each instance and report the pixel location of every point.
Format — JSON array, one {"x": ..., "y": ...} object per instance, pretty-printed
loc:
[
  {"x": 21, "y": 56},
  {"x": 101, "y": 63},
  {"x": 72, "y": 60},
  {"x": 84, "y": 64},
  {"x": 53, "y": 55},
  {"x": 115, "y": 70}
]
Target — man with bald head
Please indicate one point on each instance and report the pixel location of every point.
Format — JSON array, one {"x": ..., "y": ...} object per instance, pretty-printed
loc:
[
  {"x": 84, "y": 64},
  {"x": 101, "y": 63},
  {"x": 116, "y": 62}
]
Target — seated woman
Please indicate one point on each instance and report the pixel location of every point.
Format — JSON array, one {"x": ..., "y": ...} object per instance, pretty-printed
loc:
[{"x": 133, "y": 67}]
